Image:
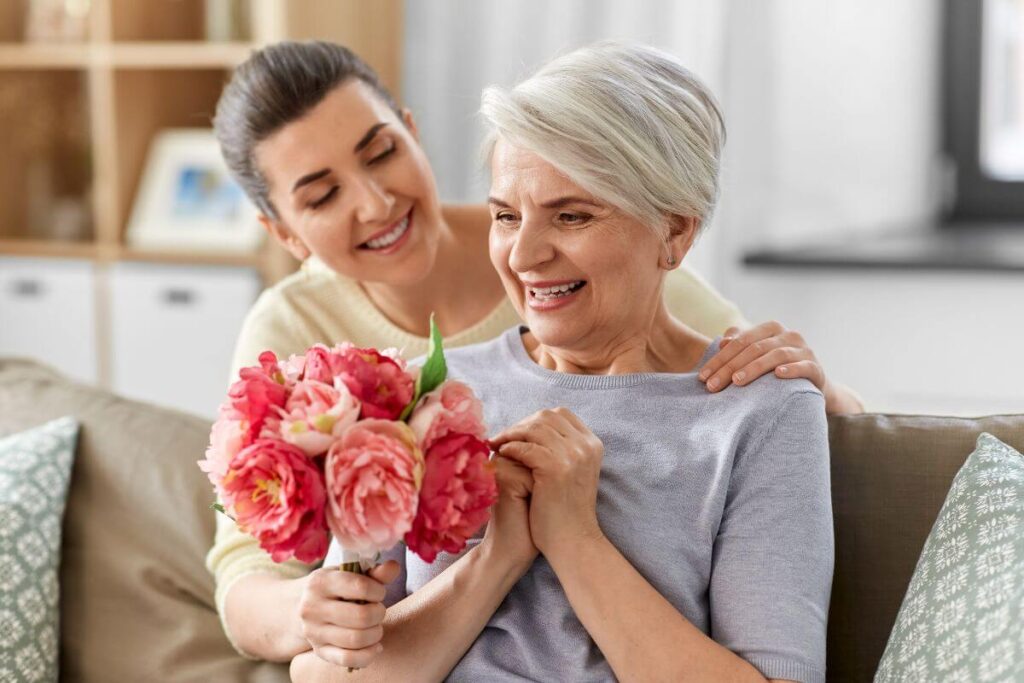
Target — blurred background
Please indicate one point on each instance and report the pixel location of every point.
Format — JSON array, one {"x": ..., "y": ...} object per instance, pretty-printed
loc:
[{"x": 872, "y": 197}]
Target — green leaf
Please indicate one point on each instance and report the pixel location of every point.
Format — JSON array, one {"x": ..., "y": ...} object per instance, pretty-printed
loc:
[
  {"x": 220, "y": 508},
  {"x": 434, "y": 370}
]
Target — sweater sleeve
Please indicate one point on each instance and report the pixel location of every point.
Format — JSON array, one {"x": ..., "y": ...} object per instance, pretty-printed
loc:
[
  {"x": 236, "y": 554},
  {"x": 772, "y": 557},
  {"x": 696, "y": 303}
]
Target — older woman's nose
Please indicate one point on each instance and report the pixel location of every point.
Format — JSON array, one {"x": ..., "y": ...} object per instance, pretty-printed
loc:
[
  {"x": 531, "y": 248},
  {"x": 373, "y": 203}
]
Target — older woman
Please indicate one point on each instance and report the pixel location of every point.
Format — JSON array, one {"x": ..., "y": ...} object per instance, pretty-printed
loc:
[{"x": 647, "y": 530}]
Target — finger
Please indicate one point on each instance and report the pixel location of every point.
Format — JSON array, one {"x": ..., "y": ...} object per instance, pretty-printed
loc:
[
  {"x": 572, "y": 419},
  {"x": 331, "y": 583},
  {"x": 527, "y": 454},
  {"x": 353, "y": 659},
  {"x": 513, "y": 478},
  {"x": 532, "y": 430},
  {"x": 346, "y": 638},
  {"x": 386, "y": 573},
  {"x": 352, "y": 614},
  {"x": 808, "y": 369},
  {"x": 726, "y": 374},
  {"x": 762, "y": 365},
  {"x": 734, "y": 348},
  {"x": 728, "y": 336}
]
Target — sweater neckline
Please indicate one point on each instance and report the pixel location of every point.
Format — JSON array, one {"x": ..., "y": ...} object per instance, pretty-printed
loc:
[
  {"x": 488, "y": 327},
  {"x": 516, "y": 352}
]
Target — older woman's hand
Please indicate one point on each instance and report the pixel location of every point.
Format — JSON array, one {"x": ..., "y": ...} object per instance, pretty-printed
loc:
[
  {"x": 745, "y": 356},
  {"x": 342, "y": 613},
  {"x": 564, "y": 457}
]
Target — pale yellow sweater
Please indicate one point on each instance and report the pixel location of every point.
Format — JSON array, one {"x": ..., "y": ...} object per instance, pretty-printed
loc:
[{"x": 316, "y": 305}]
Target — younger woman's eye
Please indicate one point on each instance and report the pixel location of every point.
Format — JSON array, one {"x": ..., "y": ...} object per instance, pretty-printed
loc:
[
  {"x": 323, "y": 200},
  {"x": 384, "y": 154}
]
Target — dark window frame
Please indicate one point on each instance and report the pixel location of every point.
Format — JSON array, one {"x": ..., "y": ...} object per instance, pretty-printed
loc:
[{"x": 978, "y": 198}]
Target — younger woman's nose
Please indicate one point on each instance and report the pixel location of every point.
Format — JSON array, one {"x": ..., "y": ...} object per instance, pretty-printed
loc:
[{"x": 373, "y": 202}]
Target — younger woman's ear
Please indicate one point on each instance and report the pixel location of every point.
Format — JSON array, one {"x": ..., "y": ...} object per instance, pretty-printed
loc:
[
  {"x": 682, "y": 232},
  {"x": 410, "y": 123},
  {"x": 285, "y": 237}
]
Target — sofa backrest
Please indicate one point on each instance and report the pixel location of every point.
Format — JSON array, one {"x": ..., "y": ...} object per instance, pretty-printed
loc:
[
  {"x": 890, "y": 476},
  {"x": 136, "y": 598}
]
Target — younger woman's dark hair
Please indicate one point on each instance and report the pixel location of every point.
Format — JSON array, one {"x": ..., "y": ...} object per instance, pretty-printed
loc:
[{"x": 275, "y": 86}]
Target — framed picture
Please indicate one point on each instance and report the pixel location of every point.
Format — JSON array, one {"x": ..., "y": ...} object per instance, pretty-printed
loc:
[{"x": 187, "y": 200}]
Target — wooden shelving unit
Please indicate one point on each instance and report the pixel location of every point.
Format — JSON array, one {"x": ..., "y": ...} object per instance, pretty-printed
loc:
[{"x": 80, "y": 117}]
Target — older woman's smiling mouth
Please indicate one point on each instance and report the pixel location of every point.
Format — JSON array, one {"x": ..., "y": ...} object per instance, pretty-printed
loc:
[{"x": 552, "y": 294}]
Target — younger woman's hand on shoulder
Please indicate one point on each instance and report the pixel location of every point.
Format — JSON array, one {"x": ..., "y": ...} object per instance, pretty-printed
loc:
[
  {"x": 339, "y": 629},
  {"x": 770, "y": 347}
]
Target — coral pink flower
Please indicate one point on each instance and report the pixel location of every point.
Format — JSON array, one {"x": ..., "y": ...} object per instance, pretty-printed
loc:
[
  {"x": 373, "y": 479},
  {"x": 315, "y": 416},
  {"x": 258, "y": 394},
  {"x": 318, "y": 364},
  {"x": 451, "y": 408},
  {"x": 228, "y": 436},
  {"x": 379, "y": 382},
  {"x": 276, "y": 494},
  {"x": 458, "y": 490}
]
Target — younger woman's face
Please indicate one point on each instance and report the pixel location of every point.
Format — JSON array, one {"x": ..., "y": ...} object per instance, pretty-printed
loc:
[{"x": 352, "y": 186}]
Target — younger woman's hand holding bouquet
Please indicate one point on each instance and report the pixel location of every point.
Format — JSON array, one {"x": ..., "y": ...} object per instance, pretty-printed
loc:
[
  {"x": 342, "y": 613},
  {"x": 508, "y": 532}
]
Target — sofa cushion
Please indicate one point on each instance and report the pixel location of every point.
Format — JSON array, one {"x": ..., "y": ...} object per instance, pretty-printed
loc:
[
  {"x": 963, "y": 615},
  {"x": 35, "y": 467},
  {"x": 890, "y": 476},
  {"x": 136, "y": 598}
]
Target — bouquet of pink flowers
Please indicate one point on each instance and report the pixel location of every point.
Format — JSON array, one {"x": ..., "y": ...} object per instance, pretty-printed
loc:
[{"x": 350, "y": 441}]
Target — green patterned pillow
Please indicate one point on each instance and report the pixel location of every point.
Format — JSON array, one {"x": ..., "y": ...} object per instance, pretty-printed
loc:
[
  {"x": 962, "y": 618},
  {"x": 35, "y": 468}
]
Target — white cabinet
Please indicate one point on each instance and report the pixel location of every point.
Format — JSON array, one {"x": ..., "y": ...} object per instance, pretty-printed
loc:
[
  {"x": 173, "y": 331},
  {"x": 48, "y": 312}
]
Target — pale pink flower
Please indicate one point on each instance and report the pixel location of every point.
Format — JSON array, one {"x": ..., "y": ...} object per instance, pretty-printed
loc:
[
  {"x": 373, "y": 478},
  {"x": 316, "y": 415},
  {"x": 228, "y": 436},
  {"x": 452, "y": 408},
  {"x": 276, "y": 494},
  {"x": 458, "y": 490}
]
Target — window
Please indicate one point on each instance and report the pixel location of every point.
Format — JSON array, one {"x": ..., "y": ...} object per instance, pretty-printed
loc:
[{"x": 984, "y": 109}]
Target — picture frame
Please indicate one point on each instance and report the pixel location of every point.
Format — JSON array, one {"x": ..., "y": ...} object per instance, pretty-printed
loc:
[{"x": 187, "y": 199}]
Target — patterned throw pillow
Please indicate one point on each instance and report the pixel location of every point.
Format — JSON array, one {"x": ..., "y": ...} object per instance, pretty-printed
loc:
[
  {"x": 35, "y": 468},
  {"x": 963, "y": 615}
]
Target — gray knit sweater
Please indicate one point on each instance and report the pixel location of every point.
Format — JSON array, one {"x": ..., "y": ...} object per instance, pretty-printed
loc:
[{"x": 721, "y": 501}]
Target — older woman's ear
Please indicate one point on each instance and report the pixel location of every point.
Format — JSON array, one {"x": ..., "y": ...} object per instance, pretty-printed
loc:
[{"x": 681, "y": 234}]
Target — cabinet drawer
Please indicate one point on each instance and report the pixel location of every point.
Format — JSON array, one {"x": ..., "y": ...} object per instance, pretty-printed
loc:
[
  {"x": 48, "y": 312},
  {"x": 173, "y": 331}
]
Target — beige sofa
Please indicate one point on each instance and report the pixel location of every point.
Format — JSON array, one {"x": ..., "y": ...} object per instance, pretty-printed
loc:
[{"x": 137, "y": 601}]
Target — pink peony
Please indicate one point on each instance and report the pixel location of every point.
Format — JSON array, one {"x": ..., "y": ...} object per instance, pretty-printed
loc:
[
  {"x": 257, "y": 394},
  {"x": 315, "y": 416},
  {"x": 373, "y": 480},
  {"x": 228, "y": 436},
  {"x": 379, "y": 382},
  {"x": 451, "y": 408},
  {"x": 276, "y": 494},
  {"x": 458, "y": 490},
  {"x": 319, "y": 364}
]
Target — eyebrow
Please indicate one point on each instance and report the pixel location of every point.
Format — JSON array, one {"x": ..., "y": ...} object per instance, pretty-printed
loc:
[
  {"x": 363, "y": 142},
  {"x": 553, "y": 204}
]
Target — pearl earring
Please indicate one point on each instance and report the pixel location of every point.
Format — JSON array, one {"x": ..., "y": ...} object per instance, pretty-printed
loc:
[{"x": 671, "y": 261}]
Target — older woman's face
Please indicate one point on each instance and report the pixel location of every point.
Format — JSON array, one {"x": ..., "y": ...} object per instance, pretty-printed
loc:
[{"x": 582, "y": 274}]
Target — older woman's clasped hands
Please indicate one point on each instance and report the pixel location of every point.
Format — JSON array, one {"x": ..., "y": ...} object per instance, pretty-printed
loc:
[{"x": 564, "y": 458}]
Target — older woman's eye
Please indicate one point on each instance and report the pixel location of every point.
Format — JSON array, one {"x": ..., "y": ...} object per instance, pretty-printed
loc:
[
  {"x": 574, "y": 218},
  {"x": 506, "y": 218},
  {"x": 316, "y": 204}
]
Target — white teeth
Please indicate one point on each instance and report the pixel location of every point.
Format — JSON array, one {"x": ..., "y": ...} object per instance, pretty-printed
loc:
[
  {"x": 390, "y": 238},
  {"x": 556, "y": 291}
]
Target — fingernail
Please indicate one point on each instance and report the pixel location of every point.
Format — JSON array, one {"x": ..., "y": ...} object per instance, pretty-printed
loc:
[
  {"x": 713, "y": 384},
  {"x": 783, "y": 370},
  {"x": 380, "y": 648},
  {"x": 703, "y": 374},
  {"x": 739, "y": 376}
]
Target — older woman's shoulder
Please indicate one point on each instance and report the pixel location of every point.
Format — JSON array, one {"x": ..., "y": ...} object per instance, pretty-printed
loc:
[{"x": 768, "y": 394}]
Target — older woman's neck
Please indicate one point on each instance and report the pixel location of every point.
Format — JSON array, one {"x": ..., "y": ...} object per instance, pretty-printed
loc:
[{"x": 667, "y": 345}]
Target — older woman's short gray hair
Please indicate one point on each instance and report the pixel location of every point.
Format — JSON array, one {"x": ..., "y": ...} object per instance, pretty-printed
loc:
[{"x": 628, "y": 123}]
